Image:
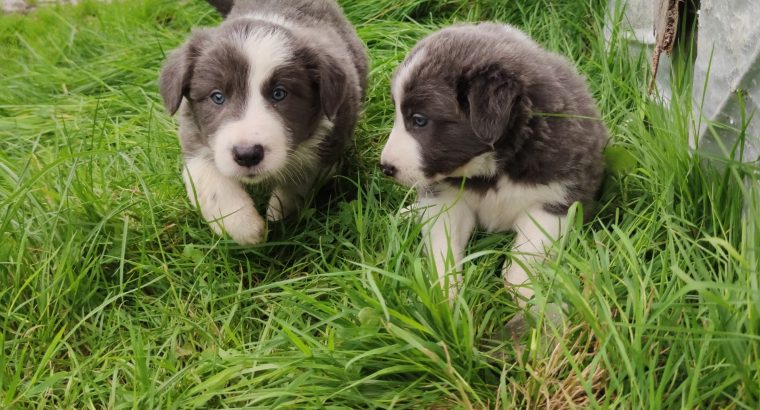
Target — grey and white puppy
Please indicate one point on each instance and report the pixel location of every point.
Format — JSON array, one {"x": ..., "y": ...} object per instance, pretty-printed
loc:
[
  {"x": 494, "y": 131},
  {"x": 271, "y": 96}
]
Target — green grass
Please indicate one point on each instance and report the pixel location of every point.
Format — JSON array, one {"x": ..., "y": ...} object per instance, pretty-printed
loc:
[{"x": 114, "y": 293}]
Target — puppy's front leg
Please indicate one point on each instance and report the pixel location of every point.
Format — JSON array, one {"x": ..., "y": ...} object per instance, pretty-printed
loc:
[
  {"x": 223, "y": 202},
  {"x": 536, "y": 231},
  {"x": 289, "y": 197},
  {"x": 448, "y": 224},
  {"x": 283, "y": 202}
]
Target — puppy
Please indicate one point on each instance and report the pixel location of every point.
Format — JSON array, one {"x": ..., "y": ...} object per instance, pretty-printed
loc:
[
  {"x": 492, "y": 130},
  {"x": 270, "y": 96}
]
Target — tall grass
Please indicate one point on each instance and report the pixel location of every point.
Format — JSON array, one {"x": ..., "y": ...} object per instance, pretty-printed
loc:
[{"x": 115, "y": 294}]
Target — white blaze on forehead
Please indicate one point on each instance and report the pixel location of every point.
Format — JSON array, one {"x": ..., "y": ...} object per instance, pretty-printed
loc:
[
  {"x": 265, "y": 50},
  {"x": 404, "y": 73}
]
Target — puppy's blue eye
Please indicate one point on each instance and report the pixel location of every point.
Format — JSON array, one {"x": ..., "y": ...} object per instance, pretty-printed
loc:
[
  {"x": 217, "y": 97},
  {"x": 419, "y": 120},
  {"x": 279, "y": 94}
]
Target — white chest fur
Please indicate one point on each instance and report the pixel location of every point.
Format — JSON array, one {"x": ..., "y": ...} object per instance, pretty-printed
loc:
[
  {"x": 450, "y": 214},
  {"x": 497, "y": 209}
]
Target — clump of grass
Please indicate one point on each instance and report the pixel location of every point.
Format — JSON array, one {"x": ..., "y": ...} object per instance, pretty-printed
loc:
[{"x": 115, "y": 293}]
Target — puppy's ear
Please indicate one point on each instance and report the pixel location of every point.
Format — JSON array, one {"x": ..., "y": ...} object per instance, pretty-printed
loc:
[
  {"x": 177, "y": 71},
  {"x": 222, "y": 6},
  {"x": 332, "y": 86},
  {"x": 494, "y": 99}
]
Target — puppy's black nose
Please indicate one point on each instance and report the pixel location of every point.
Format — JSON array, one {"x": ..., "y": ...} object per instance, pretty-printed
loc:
[
  {"x": 388, "y": 169},
  {"x": 248, "y": 155}
]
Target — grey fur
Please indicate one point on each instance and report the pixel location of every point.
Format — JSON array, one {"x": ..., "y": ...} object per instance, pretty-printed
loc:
[
  {"x": 487, "y": 88},
  {"x": 327, "y": 75},
  {"x": 321, "y": 31}
]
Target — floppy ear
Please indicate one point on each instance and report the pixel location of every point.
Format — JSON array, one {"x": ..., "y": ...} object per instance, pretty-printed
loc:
[
  {"x": 332, "y": 85},
  {"x": 222, "y": 6},
  {"x": 177, "y": 71},
  {"x": 494, "y": 98}
]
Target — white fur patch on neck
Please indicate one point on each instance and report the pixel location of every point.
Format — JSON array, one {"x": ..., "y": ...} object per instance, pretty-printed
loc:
[{"x": 484, "y": 165}]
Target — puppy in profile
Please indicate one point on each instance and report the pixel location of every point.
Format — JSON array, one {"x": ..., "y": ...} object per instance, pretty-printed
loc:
[
  {"x": 492, "y": 130},
  {"x": 271, "y": 96}
]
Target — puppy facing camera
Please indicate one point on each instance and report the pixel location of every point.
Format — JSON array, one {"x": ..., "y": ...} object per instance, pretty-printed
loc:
[
  {"x": 492, "y": 130},
  {"x": 271, "y": 96}
]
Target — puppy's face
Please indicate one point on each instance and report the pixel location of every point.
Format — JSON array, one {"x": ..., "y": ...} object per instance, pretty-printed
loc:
[
  {"x": 449, "y": 119},
  {"x": 255, "y": 94}
]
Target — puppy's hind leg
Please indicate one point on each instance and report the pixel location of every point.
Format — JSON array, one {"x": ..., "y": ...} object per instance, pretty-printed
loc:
[
  {"x": 536, "y": 231},
  {"x": 223, "y": 202}
]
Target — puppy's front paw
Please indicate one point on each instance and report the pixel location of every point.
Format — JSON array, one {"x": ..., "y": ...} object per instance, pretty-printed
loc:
[
  {"x": 274, "y": 211},
  {"x": 455, "y": 283},
  {"x": 245, "y": 226},
  {"x": 551, "y": 314},
  {"x": 281, "y": 205},
  {"x": 223, "y": 203},
  {"x": 517, "y": 278},
  {"x": 409, "y": 211}
]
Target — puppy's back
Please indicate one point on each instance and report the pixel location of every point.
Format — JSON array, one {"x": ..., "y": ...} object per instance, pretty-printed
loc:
[{"x": 563, "y": 136}]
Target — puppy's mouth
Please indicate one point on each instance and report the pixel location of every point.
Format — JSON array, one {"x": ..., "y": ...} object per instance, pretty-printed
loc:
[
  {"x": 262, "y": 173},
  {"x": 410, "y": 181},
  {"x": 254, "y": 177},
  {"x": 246, "y": 174}
]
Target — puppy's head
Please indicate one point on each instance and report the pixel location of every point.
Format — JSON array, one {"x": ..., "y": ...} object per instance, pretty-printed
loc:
[
  {"x": 455, "y": 107},
  {"x": 255, "y": 91}
]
